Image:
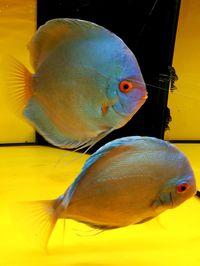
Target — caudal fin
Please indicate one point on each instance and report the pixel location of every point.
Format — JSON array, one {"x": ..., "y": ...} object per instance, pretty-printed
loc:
[
  {"x": 17, "y": 84},
  {"x": 36, "y": 220}
]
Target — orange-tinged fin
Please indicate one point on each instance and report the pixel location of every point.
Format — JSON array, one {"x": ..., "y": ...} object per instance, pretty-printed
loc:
[
  {"x": 18, "y": 85},
  {"x": 35, "y": 220}
]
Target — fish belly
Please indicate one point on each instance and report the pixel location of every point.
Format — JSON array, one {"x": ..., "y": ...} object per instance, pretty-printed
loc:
[
  {"x": 110, "y": 214},
  {"x": 41, "y": 122}
]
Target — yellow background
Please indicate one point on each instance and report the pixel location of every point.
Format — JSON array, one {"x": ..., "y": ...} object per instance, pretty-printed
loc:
[{"x": 185, "y": 102}]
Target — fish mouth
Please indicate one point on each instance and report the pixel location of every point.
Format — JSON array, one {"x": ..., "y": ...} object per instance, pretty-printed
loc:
[{"x": 125, "y": 111}]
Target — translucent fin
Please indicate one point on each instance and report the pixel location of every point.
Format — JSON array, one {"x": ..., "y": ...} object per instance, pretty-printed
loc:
[
  {"x": 88, "y": 233},
  {"x": 52, "y": 33},
  {"x": 90, "y": 143},
  {"x": 64, "y": 226},
  {"x": 36, "y": 220},
  {"x": 153, "y": 223},
  {"x": 18, "y": 84}
]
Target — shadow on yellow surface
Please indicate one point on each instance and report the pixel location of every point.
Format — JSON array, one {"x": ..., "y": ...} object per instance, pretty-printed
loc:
[{"x": 35, "y": 173}]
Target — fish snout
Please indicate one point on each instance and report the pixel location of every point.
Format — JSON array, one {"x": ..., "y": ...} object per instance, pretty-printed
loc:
[
  {"x": 136, "y": 100},
  {"x": 143, "y": 97}
]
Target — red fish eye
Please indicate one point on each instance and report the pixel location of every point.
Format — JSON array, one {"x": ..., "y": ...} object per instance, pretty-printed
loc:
[
  {"x": 182, "y": 187},
  {"x": 126, "y": 86}
]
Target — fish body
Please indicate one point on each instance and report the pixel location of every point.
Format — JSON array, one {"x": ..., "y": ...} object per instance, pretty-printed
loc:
[
  {"x": 127, "y": 181},
  {"x": 86, "y": 83}
]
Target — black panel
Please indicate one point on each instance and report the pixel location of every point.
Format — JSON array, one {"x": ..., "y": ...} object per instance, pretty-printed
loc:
[{"x": 149, "y": 29}]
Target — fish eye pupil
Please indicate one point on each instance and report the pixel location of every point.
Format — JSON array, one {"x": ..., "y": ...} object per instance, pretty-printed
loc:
[
  {"x": 182, "y": 187},
  {"x": 126, "y": 86}
]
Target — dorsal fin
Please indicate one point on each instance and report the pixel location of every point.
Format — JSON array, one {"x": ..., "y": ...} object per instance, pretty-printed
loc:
[{"x": 53, "y": 32}]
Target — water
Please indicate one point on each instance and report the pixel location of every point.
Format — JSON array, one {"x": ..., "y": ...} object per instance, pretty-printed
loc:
[{"x": 31, "y": 172}]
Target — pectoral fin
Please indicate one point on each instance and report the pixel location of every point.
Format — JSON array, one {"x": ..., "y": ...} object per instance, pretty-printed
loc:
[{"x": 164, "y": 202}]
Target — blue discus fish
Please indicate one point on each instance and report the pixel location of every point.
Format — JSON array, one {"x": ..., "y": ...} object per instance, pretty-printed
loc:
[
  {"x": 86, "y": 83},
  {"x": 127, "y": 181}
]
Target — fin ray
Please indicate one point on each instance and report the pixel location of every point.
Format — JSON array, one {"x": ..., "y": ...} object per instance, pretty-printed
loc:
[
  {"x": 36, "y": 220},
  {"x": 18, "y": 84}
]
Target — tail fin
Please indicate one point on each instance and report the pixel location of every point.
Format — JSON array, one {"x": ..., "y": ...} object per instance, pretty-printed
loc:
[
  {"x": 36, "y": 220},
  {"x": 17, "y": 84}
]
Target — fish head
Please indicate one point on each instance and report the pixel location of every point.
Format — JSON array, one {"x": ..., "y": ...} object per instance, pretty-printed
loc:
[
  {"x": 131, "y": 94},
  {"x": 182, "y": 189},
  {"x": 127, "y": 85},
  {"x": 176, "y": 178},
  {"x": 177, "y": 190}
]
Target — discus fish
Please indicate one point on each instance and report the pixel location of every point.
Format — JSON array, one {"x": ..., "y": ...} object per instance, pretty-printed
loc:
[
  {"x": 86, "y": 83},
  {"x": 127, "y": 181}
]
